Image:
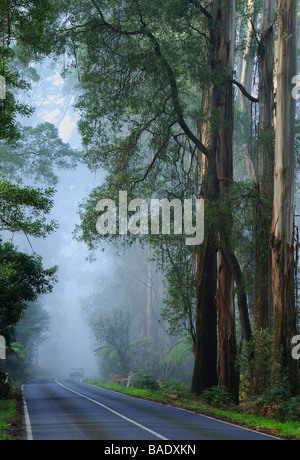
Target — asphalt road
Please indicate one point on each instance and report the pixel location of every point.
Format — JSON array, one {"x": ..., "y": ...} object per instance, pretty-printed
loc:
[{"x": 66, "y": 409}]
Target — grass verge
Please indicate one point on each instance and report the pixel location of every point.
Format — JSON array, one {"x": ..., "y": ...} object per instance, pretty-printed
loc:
[
  {"x": 7, "y": 413},
  {"x": 288, "y": 430}
]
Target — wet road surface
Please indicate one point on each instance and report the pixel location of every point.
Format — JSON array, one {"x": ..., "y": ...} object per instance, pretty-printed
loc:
[{"x": 66, "y": 409}]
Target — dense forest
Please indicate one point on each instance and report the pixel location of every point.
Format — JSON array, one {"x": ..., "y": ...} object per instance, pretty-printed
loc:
[{"x": 186, "y": 101}]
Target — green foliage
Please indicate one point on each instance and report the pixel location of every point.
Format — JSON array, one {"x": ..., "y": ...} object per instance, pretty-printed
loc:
[
  {"x": 179, "y": 352},
  {"x": 112, "y": 332},
  {"x": 145, "y": 381},
  {"x": 33, "y": 328},
  {"x": 37, "y": 154},
  {"x": 26, "y": 29},
  {"x": 217, "y": 397},
  {"x": 10, "y": 107},
  {"x": 276, "y": 393},
  {"x": 180, "y": 295},
  {"x": 175, "y": 389},
  {"x": 257, "y": 359},
  {"x": 33, "y": 25},
  {"x": 238, "y": 415},
  {"x": 28, "y": 25},
  {"x": 127, "y": 52},
  {"x": 125, "y": 93},
  {"x": 291, "y": 409},
  {"x": 16, "y": 365},
  {"x": 29, "y": 333},
  {"x": 277, "y": 403},
  {"x": 26, "y": 282},
  {"x": 22, "y": 209},
  {"x": 141, "y": 65},
  {"x": 7, "y": 412}
]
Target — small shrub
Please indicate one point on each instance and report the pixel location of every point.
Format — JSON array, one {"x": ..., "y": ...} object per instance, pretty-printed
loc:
[
  {"x": 291, "y": 409},
  {"x": 277, "y": 393},
  {"x": 175, "y": 389},
  {"x": 145, "y": 381},
  {"x": 276, "y": 403},
  {"x": 217, "y": 396}
]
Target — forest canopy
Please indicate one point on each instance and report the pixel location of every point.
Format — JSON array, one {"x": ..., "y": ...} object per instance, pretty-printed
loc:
[{"x": 177, "y": 100}]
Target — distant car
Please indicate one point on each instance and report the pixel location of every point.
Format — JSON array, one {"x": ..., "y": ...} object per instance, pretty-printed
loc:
[{"x": 77, "y": 372}]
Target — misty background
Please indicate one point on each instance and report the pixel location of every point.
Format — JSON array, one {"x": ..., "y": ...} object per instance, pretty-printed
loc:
[
  {"x": 69, "y": 341},
  {"x": 106, "y": 310}
]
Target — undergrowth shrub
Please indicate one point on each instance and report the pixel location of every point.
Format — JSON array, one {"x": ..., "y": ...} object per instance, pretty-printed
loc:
[
  {"x": 175, "y": 389},
  {"x": 217, "y": 397},
  {"x": 145, "y": 381},
  {"x": 277, "y": 403}
]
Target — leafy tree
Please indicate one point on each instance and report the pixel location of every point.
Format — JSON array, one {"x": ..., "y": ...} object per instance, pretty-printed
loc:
[
  {"x": 154, "y": 59},
  {"x": 29, "y": 24},
  {"x": 22, "y": 209},
  {"x": 37, "y": 154},
  {"x": 30, "y": 332},
  {"x": 26, "y": 31},
  {"x": 114, "y": 331},
  {"x": 27, "y": 280},
  {"x": 156, "y": 101},
  {"x": 180, "y": 299},
  {"x": 33, "y": 328},
  {"x": 10, "y": 108}
]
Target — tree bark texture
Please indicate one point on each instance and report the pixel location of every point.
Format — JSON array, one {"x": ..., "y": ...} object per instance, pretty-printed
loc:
[
  {"x": 228, "y": 373},
  {"x": 265, "y": 173},
  {"x": 282, "y": 242}
]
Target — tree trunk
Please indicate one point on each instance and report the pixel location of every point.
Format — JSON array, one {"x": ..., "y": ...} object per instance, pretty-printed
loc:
[
  {"x": 265, "y": 179},
  {"x": 149, "y": 313},
  {"x": 217, "y": 171},
  {"x": 248, "y": 62},
  {"x": 205, "y": 361},
  {"x": 265, "y": 185},
  {"x": 228, "y": 374},
  {"x": 282, "y": 242}
]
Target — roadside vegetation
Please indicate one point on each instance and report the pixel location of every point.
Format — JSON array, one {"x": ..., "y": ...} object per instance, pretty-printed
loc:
[
  {"x": 274, "y": 412},
  {"x": 10, "y": 410},
  {"x": 7, "y": 413}
]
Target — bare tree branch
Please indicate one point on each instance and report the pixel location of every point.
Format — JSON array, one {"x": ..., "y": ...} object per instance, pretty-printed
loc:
[{"x": 244, "y": 91}]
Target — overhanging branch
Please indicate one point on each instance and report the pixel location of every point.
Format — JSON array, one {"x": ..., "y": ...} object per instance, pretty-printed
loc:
[
  {"x": 172, "y": 79},
  {"x": 244, "y": 91}
]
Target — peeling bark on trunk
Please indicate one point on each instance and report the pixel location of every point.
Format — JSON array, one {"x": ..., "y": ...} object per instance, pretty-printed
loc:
[
  {"x": 264, "y": 184},
  {"x": 217, "y": 104},
  {"x": 282, "y": 243},
  {"x": 228, "y": 374},
  {"x": 205, "y": 362},
  {"x": 149, "y": 314},
  {"x": 265, "y": 179}
]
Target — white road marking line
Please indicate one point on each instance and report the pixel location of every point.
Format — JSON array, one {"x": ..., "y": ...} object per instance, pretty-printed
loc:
[
  {"x": 238, "y": 427},
  {"x": 27, "y": 419},
  {"x": 114, "y": 412}
]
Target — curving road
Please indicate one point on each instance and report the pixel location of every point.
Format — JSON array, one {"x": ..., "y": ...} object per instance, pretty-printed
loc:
[{"x": 66, "y": 409}]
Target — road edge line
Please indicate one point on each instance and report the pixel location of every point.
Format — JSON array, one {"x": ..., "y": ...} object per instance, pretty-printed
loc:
[
  {"x": 211, "y": 417},
  {"x": 27, "y": 418}
]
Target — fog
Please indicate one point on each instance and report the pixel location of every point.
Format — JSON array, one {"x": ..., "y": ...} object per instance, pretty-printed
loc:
[
  {"x": 69, "y": 342},
  {"x": 92, "y": 288}
]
